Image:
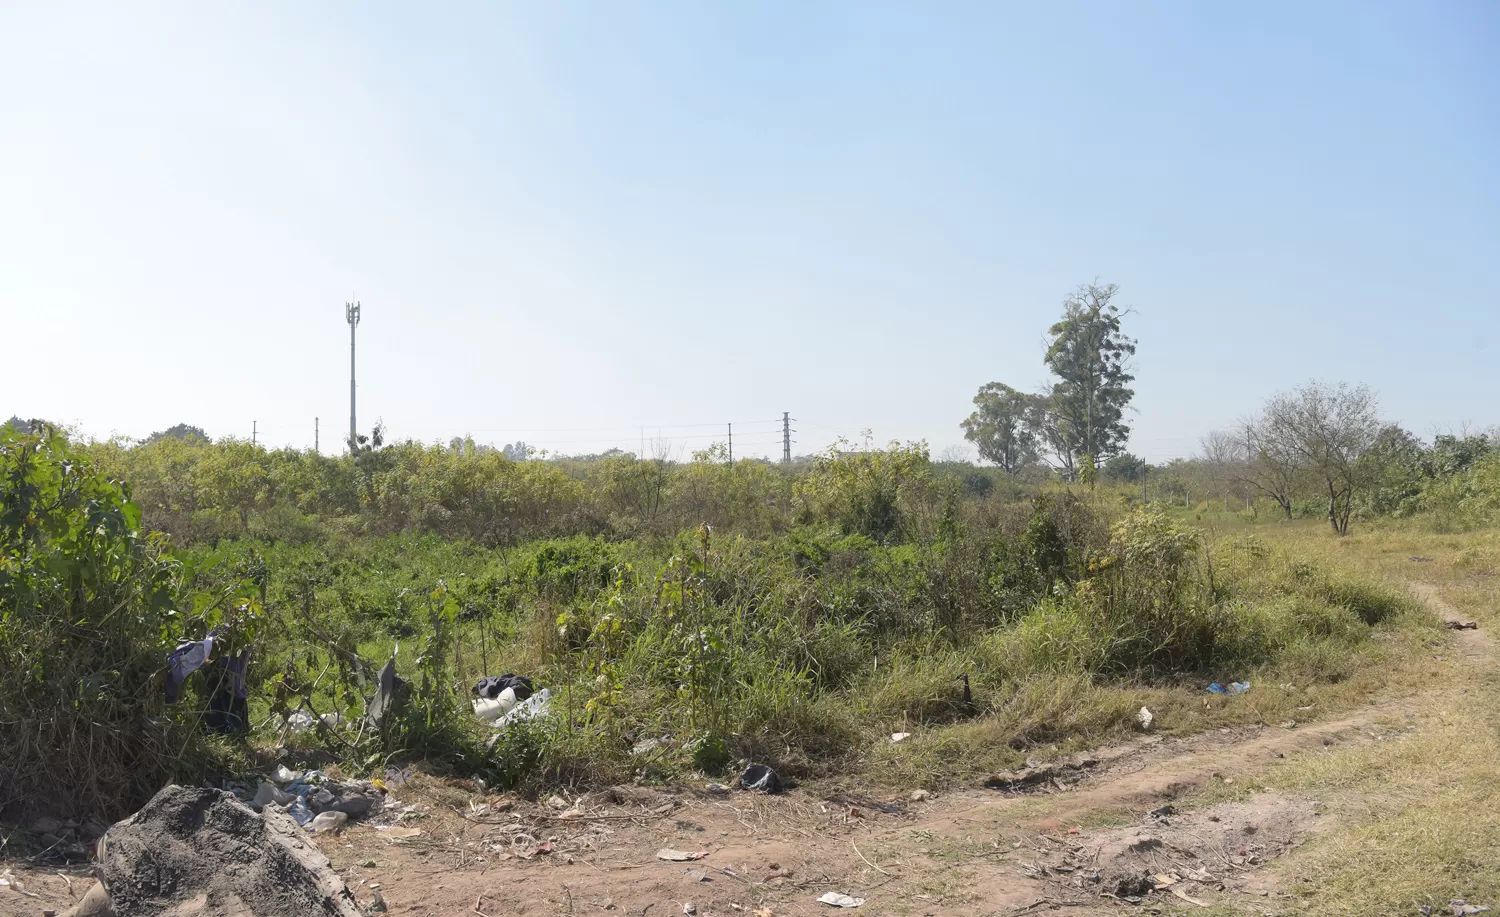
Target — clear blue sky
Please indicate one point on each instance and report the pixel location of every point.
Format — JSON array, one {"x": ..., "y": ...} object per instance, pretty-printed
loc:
[{"x": 566, "y": 221}]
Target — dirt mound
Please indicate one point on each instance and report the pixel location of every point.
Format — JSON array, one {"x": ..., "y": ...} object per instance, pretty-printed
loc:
[
  {"x": 1201, "y": 850},
  {"x": 192, "y": 852}
]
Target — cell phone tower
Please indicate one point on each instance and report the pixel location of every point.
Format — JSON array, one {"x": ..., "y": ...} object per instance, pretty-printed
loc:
[{"x": 351, "y": 314}]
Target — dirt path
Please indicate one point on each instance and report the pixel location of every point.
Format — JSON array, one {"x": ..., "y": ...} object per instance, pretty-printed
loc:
[{"x": 1081, "y": 844}]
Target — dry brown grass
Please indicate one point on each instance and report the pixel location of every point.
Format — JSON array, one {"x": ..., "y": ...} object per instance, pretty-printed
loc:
[{"x": 1416, "y": 813}]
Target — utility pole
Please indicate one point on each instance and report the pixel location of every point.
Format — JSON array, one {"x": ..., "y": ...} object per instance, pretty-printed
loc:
[
  {"x": 1145, "y": 470},
  {"x": 351, "y": 315},
  {"x": 731, "y": 444},
  {"x": 786, "y": 437},
  {"x": 315, "y": 437},
  {"x": 254, "y": 431}
]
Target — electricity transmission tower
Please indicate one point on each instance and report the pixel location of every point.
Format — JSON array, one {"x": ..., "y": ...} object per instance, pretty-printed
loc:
[
  {"x": 786, "y": 437},
  {"x": 351, "y": 315}
]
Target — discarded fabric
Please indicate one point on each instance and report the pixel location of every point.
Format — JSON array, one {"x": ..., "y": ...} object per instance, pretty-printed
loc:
[
  {"x": 188, "y": 658},
  {"x": 491, "y": 686},
  {"x": 228, "y": 705},
  {"x": 838, "y": 899}
]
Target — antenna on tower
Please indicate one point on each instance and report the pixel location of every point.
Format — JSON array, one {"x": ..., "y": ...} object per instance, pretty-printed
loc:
[{"x": 351, "y": 315}]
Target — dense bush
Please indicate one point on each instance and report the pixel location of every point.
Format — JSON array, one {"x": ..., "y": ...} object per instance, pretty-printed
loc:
[
  {"x": 90, "y": 606},
  {"x": 801, "y": 614}
]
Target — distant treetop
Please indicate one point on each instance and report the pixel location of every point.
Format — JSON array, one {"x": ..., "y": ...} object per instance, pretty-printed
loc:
[{"x": 182, "y": 431}]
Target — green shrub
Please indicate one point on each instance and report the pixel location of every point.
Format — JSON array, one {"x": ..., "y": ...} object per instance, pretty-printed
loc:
[{"x": 89, "y": 609}]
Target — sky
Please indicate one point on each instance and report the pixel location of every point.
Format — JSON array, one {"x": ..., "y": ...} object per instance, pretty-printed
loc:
[{"x": 588, "y": 225}]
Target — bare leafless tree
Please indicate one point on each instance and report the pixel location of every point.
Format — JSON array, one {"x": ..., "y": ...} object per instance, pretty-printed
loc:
[
  {"x": 1329, "y": 429},
  {"x": 1221, "y": 454},
  {"x": 1271, "y": 467}
]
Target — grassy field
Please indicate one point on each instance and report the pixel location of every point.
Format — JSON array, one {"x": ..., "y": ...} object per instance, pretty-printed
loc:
[{"x": 1415, "y": 815}]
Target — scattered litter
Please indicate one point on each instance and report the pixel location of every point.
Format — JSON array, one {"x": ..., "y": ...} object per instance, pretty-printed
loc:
[
  {"x": 900, "y": 736},
  {"x": 300, "y": 721},
  {"x": 492, "y": 686},
  {"x": 534, "y": 706},
  {"x": 396, "y": 833},
  {"x": 760, "y": 777},
  {"x": 390, "y": 690},
  {"x": 1144, "y": 718},
  {"x": 332, "y": 720},
  {"x": 689, "y": 908},
  {"x": 1164, "y": 880},
  {"x": 268, "y": 793},
  {"x": 300, "y": 813},
  {"x": 556, "y": 802},
  {"x": 1188, "y": 898},
  {"x": 353, "y": 805},
  {"x": 1135, "y": 885},
  {"x": 717, "y": 789},
  {"x": 1462, "y": 625},
  {"x": 491, "y": 709},
  {"x": 697, "y": 875},
  {"x": 284, "y": 776},
  {"x": 1162, "y": 812},
  {"x": 679, "y": 856},
  {"x": 1238, "y": 687},
  {"x": 837, "y": 899},
  {"x": 920, "y": 795},
  {"x": 1461, "y": 908},
  {"x": 328, "y": 821}
]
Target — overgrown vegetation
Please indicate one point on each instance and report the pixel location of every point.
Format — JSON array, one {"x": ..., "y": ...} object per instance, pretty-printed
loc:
[{"x": 806, "y": 614}]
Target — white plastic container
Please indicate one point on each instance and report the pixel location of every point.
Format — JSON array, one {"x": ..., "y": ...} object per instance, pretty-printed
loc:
[{"x": 491, "y": 710}]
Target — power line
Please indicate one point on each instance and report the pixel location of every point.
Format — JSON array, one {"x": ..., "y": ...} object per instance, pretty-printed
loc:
[{"x": 630, "y": 429}]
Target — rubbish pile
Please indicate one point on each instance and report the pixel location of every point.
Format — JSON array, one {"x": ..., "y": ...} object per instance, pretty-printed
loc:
[
  {"x": 200, "y": 851},
  {"x": 501, "y": 700},
  {"x": 318, "y": 803}
]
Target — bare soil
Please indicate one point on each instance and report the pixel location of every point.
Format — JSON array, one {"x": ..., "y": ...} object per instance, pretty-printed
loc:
[{"x": 1087, "y": 841}]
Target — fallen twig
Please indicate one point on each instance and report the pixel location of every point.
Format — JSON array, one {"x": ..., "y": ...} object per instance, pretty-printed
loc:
[{"x": 866, "y": 859}]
